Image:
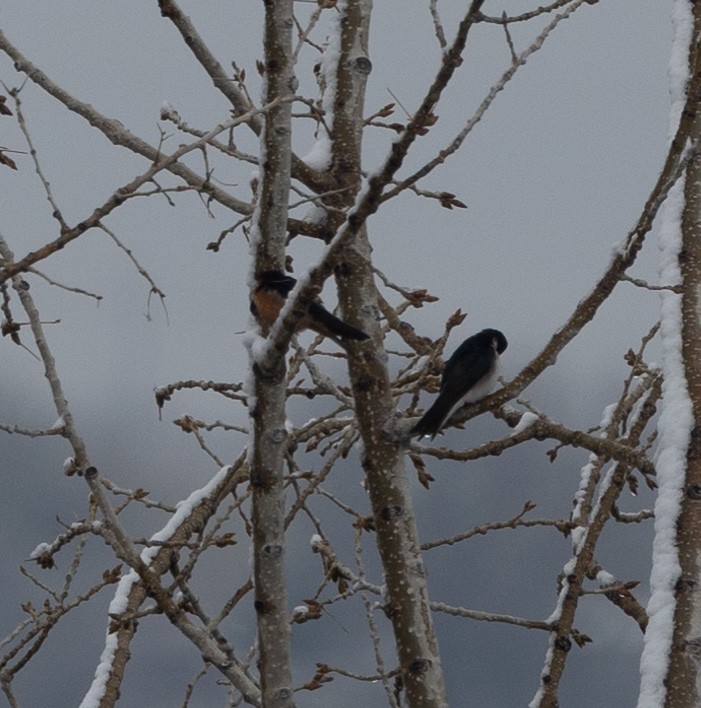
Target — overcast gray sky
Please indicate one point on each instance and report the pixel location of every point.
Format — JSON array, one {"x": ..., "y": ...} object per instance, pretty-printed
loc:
[{"x": 554, "y": 176}]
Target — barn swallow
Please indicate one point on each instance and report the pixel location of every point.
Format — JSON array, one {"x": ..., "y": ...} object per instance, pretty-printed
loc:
[
  {"x": 272, "y": 289},
  {"x": 469, "y": 375}
]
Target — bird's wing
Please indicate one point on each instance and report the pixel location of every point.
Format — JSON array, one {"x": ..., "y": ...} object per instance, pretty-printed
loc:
[{"x": 468, "y": 365}]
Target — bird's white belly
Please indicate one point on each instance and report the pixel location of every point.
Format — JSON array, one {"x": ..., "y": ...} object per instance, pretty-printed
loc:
[{"x": 478, "y": 391}]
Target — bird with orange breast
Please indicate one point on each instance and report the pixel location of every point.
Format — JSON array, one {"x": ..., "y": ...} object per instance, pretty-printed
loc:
[{"x": 270, "y": 294}]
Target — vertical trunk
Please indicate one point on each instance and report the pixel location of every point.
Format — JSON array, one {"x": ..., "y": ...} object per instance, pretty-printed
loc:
[
  {"x": 268, "y": 411},
  {"x": 683, "y": 676},
  {"x": 383, "y": 460}
]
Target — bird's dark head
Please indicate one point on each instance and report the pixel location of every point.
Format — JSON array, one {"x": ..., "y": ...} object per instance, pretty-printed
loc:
[
  {"x": 498, "y": 340},
  {"x": 276, "y": 280}
]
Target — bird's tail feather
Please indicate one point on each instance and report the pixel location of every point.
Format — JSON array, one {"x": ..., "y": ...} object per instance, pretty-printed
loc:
[
  {"x": 335, "y": 326},
  {"x": 431, "y": 422}
]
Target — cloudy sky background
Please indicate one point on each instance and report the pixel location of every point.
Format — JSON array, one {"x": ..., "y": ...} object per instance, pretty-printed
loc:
[{"x": 554, "y": 176}]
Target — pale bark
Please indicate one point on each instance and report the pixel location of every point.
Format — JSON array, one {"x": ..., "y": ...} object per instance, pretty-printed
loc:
[
  {"x": 407, "y": 601},
  {"x": 683, "y": 682},
  {"x": 269, "y": 442}
]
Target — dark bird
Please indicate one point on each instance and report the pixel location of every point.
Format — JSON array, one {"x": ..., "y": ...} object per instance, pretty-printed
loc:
[
  {"x": 469, "y": 375},
  {"x": 272, "y": 289}
]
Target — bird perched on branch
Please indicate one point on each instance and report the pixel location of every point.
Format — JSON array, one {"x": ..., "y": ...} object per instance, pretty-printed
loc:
[
  {"x": 468, "y": 376},
  {"x": 272, "y": 289}
]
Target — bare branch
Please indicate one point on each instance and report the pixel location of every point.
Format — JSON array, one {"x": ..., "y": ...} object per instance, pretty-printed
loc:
[
  {"x": 142, "y": 271},
  {"x": 437, "y": 24},
  {"x": 55, "y": 211},
  {"x": 69, "y": 288},
  {"x": 504, "y": 20},
  {"x": 116, "y": 200},
  {"x": 80, "y": 458},
  {"x": 513, "y": 523},
  {"x": 517, "y": 63},
  {"x": 238, "y": 99},
  {"x": 114, "y": 131}
]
